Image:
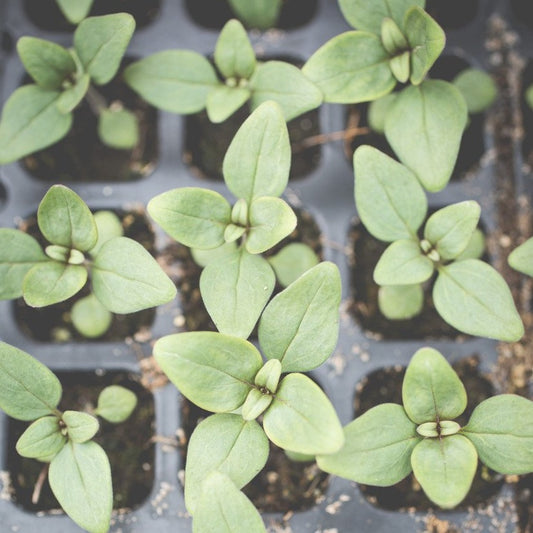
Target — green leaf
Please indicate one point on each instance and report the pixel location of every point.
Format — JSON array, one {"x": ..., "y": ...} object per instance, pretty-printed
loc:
[
  {"x": 75, "y": 10},
  {"x": 377, "y": 449},
  {"x": 350, "y": 68},
  {"x": 424, "y": 127},
  {"x": 80, "y": 478},
  {"x": 368, "y": 16},
  {"x": 445, "y": 468},
  {"x": 204, "y": 257},
  {"x": 234, "y": 55},
  {"x": 116, "y": 403},
  {"x": 403, "y": 263},
  {"x": 31, "y": 121},
  {"x": 90, "y": 317},
  {"x": 478, "y": 89},
  {"x": 302, "y": 419},
  {"x": 389, "y": 199},
  {"x": 72, "y": 96},
  {"x": 300, "y": 325},
  {"x": 431, "y": 389},
  {"x": 213, "y": 370},
  {"x": 475, "y": 247},
  {"x": 400, "y": 302},
  {"x": 118, "y": 128},
  {"x": 271, "y": 220},
  {"x": 222, "y": 508},
  {"x": 235, "y": 290},
  {"x": 19, "y": 252},
  {"x": 48, "y": 63},
  {"x": 256, "y": 404},
  {"x": 450, "y": 229},
  {"x": 223, "y": 101},
  {"x": 28, "y": 390},
  {"x": 81, "y": 427},
  {"x": 41, "y": 439},
  {"x": 392, "y": 38},
  {"x": 521, "y": 258},
  {"x": 501, "y": 429},
  {"x": 258, "y": 159},
  {"x": 261, "y": 14},
  {"x": 108, "y": 225},
  {"x": 101, "y": 42},
  {"x": 474, "y": 298},
  {"x": 287, "y": 86},
  {"x": 193, "y": 216},
  {"x": 52, "y": 282},
  {"x": 173, "y": 80},
  {"x": 292, "y": 261},
  {"x": 227, "y": 444},
  {"x": 426, "y": 40},
  {"x": 126, "y": 278},
  {"x": 65, "y": 219},
  {"x": 528, "y": 96},
  {"x": 377, "y": 112},
  {"x": 400, "y": 66}
]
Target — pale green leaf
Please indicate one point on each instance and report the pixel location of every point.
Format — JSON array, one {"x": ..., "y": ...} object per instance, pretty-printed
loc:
[
  {"x": 261, "y": 14},
  {"x": 234, "y": 55},
  {"x": 41, "y": 439},
  {"x": 75, "y": 10},
  {"x": 292, "y": 261},
  {"x": 90, "y": 317},
  {"x": 81, "y": 427},
  {"x": 108, "y": 225},
  {"x": 377, "y": 112},
  {"x": 478, "y": 89},
  {"x": 223, "y": 101},
  {"x": 72, "y": 96},
  {"x": 521, "y": 258},
  {"x": 118, "y": 128},
  {"x": 256, "y": 404},
  {"x": 204, "y": 257},
  {"x": 116, "y": 403},
  {"x": 401, "y": 302},
  {"x": 475, "y": 247}
]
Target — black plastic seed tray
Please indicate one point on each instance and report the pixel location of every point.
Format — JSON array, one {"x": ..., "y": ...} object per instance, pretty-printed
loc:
[{"x": 493, "y": 36}]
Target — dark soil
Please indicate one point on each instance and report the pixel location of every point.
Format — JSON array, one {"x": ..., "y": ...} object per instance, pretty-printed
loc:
[
  {"x": 81, "y": 156},
  {"x": 128, "y": 445},
  {"x": 53, "y": 323},
  {"x": 453, "y": 14},
  {"x": 527, "y": 114},
  {"x": 214, "y": 14},
  {"x": 385, "y": 385},
  {"x": 46, "y": 15}
]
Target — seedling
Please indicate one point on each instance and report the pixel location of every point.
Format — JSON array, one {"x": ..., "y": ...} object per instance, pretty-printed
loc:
[
  {"x": 468, "y": 294},
  {"x": 261, "y": 14},
  {"x": 124, "y": 277},
  {"x": 38, "y": 115},
  {"x": 297, "y": 332},
  {"x": 389, "y": 441},
  {"x": 79, "y": 471},
  {"x": 237, "y": 280},
  {"x": 185, "y": 82}
]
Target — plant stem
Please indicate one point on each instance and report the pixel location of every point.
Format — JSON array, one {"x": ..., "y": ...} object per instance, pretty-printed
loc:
[
  {"x": 322, "y": 138},
  {"x": 96, "y": 101},
  {"x": 39, "y": 484}
]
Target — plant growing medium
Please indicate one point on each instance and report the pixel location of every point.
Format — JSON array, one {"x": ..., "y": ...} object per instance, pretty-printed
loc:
[
  {"x": 123, "y": 276},
  {"x": 78, "y": 468}
]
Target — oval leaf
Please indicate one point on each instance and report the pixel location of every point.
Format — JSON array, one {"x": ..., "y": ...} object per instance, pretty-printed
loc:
[
  {"x": 445, "y": 468},
  {"x": 478, "y": 89},
  {"x": 234, "y": 55},
  {"x": 28, "y": 390},
  {"x": 521, "y": 258},
  {"x": 41, "y": 439},
  {"x": 90, "y": 317},
  {"x": 126, "y": 278},
  {"x": 223, "y": 443},
  {"x": 81, "y": 427},
  {"x": 261, "y": 14},
  {"x": 472, "y": 297},
  {"x": 116, "y": 403},
  {"x": 501, "y": 429},
  {"x": 300, "y": 325},
  {"x": 400, "y": 302},
  {"x": 213, "y": 370},
  {"x": 118, "y": 128},
  {"x": 80, "y": 478},
  {"x": 302, "y": 419},
  {"x": 377, "y": 449},
  {"x": 431, "y": 389},
  {"x": 223, "y": 101},
  {"x": 292, "y": 261}
]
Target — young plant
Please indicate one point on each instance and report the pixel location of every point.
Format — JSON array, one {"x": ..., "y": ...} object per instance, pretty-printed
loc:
[
  {"x": 38, "y": 115},
  {"x": 261, "y": 14},
  {"x": 389, "y": 441},
  {"x": 236, "y": 286},
  {"x": 124, "y": 277},
  {"x": 396, "y": 41},
  {"x": 79, "y": 471},
  {"x": 468, "y": 293},
  {"x": 185, "y": 82},
  {"x": 297, "y": 332}
]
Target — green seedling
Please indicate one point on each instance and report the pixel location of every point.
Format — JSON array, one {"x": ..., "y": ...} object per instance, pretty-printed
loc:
[
  {"x": 468, "y": 293},
  {"x": 38, "y": 115},
  {"x": 389, "y": 441},
  {"x": 185, "y": 82},
  {"x": 226, "y": 375},
  {"x": 123, "y": 276},
  {"x": 261, "y": 14},
  {"x": 79, "y": 471}
]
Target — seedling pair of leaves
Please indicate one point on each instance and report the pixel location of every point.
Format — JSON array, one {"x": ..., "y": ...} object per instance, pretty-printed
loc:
[
  {"x": 79, "y": 471},
  {"x": 38, "y": 115},
  {"x": 297, "y": 332},
  {"x": 389, "y": 441},
  {"x": 468, "y": 294},
  {"x": 396, "y": 41},
  {"x": 124, "y": 277},
  {"x": 185, "y": 82},
  {"x": 237, "y": 280}
]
